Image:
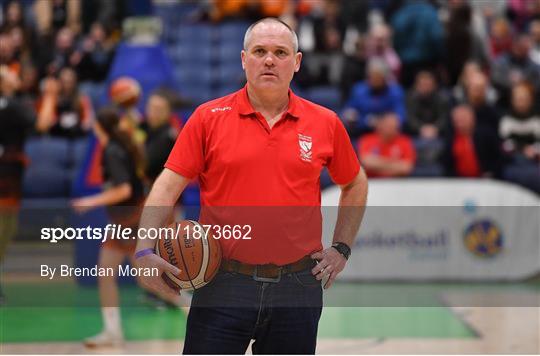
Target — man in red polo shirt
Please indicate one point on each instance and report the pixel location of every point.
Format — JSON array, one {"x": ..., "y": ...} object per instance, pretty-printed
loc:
[
  {"x": 387, "y": 152},
  {"x": 258, "y": 154}
]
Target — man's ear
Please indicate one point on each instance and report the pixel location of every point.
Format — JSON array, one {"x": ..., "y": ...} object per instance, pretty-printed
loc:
[
  {"x": 298, "y": 61},
  {"x": 243, "y": 58}
]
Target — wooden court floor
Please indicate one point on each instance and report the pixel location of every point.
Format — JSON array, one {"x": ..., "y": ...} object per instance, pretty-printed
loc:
[{"x": 451, "y": 327}]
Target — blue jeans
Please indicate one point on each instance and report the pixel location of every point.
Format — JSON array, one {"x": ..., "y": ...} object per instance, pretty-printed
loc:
[{"x": 282, "y": 317}]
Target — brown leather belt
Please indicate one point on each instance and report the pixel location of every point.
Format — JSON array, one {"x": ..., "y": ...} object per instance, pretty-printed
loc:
[{"x": 267, "y": 272}]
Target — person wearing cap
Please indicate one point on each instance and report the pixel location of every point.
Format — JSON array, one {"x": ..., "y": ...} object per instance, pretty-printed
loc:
[{"x": 258, "y": 154}]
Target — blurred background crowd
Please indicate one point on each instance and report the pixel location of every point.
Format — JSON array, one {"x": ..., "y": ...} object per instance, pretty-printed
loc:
[{"x": 426, "y": 88}]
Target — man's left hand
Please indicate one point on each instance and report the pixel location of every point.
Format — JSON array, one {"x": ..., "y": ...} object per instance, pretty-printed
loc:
[{"x": 331, "y": 263}]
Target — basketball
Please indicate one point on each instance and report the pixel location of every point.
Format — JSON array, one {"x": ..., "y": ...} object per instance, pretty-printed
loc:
[
  {"x": 194, "y": 252},
  {"x": 125, "y": 91}
]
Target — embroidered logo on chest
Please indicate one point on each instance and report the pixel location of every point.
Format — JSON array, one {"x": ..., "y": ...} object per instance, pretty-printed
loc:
[{"x": 306, "y": 145}]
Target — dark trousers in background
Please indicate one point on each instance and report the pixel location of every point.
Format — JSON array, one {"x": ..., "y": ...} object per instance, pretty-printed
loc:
[{"x": 282, "y": 317}]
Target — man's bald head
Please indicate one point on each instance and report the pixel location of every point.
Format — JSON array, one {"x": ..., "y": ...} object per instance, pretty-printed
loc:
[{"x": 271, "y": 20}]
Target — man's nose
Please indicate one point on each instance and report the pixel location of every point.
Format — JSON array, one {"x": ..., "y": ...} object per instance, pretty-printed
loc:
[{"x": 269, "y": 60}]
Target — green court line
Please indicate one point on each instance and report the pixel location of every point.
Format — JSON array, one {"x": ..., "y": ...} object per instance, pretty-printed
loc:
[{"x": 390, "y": 322}]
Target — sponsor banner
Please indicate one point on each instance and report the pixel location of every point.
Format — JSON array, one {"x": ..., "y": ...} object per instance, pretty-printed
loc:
[{"x": 443, "y": 229}]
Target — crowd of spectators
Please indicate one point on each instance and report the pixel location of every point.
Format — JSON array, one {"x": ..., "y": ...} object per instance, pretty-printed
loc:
[{"x": 428, "y": 87}]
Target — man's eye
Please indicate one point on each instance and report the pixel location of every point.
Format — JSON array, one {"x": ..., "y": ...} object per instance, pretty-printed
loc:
[
  {"x": 281, "y": 53},
  {"x": 259, "y": 51}
]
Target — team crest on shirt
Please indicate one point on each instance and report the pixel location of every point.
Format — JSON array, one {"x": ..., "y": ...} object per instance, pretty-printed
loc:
[{"x": 305, "y": 144}]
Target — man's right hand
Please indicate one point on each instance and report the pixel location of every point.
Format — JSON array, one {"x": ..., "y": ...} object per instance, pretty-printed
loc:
[{"x": 153, "y": 283}]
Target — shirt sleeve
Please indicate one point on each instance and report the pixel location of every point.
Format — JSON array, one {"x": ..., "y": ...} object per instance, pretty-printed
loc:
[
  {"x": 117, "y": 166},
  {"x": 343, "y": 165},
  {"x": 187, "y": 155}
]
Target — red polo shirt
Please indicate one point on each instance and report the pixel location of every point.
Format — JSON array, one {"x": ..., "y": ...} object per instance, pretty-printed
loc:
[
  {"x": 267, "y": 178},
  {"x": 401, "y": 148}
]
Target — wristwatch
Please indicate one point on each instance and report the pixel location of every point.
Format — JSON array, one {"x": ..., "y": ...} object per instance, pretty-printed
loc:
[{"x": 343, "y": 249}]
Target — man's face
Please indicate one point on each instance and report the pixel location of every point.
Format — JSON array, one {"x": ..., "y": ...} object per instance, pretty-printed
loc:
[
  {"x": 269, "y": 59},
  {"x": 535, "y": 32},
  {"x": 477, "y": 88},
  {"x": 157, "y": 111},
  {"x": 521, "y": 99},
  {"x": 425, "y": 84},
  {"x": 376, "y": 79},
  {"x": 387, "y": 126},
  {"x": 68, "y": 80},
  {"x": 463, "y": 120}
]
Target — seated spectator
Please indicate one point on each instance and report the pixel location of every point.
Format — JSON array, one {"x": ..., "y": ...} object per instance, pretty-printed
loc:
[
  {"x": 52, "y": 60},
  {"x": 534, "y": 52},
  {"x": 471, "y": 150},
  {"x": 22, "y": 33},
  {"x": 459, "y": 91},
  {"x": 427, "y": 108},
  {"x": 514, "y": 67},
  {"x": 486, "y": 114},
  {"x": 500, "y": 41},
  {"x": 520, "y": 132},
  {"x": 65, "y": 112},
  {"x": 162, "y": 128},
  {"x": 462, "y": 42},
  {"x": 7, "y": 53},
  {"x": 29, "y": 88},
  {"x": 386, "y": 152},
  {"x": 52, "y": 15},
  {"x": 379, "y": 45},
  {"x": 377, "y": 95},
  {"x": 94, "y": 56}
]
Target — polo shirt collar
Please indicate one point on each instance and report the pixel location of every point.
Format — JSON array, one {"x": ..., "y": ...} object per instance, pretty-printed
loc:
[{"x": 245, "y": 108}]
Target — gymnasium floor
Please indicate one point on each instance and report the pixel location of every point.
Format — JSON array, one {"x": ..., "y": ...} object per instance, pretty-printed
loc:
[{"x": 432, "y": 323}]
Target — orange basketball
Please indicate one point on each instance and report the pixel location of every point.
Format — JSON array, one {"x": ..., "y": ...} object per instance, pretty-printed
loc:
[
  {"x": 125, "y": 91},
  {"x": 196, "y": 253}
]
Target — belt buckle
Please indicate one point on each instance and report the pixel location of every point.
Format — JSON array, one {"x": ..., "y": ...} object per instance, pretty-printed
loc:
[{"x": 266, "y": 279}]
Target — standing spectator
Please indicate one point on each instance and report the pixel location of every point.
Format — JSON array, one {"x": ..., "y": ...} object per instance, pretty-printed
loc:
[
  {"x": 486, "y": 114},
  {"x": 377, "y": 95},
  {"x": 520, "y": 131},
  {"x": 462, "y": 43},
  {"x": 354, "y": 68},
  {"x": 471, "y": 150},
  {"x": 16, "y": 120},
  {"x": 386, "y": 152},
  {"x": 418, "y": 38},
  {"x": 325, "y": 28},
  {"x": 534, "y": 52},
  {"x": 500, "y": 41},
  {"x": 65, "y": 112},
  {"x": 161, "y": 128},
  {"x": 515, "y": 67},
  {"x": 379, "y": 45},
  {"x": 427, "y": 108}
]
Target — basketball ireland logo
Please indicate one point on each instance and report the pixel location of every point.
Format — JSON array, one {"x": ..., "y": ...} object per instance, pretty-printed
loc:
[
  {"x": 483, "y": 238},
  {"x": 305, "y": 144}
]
